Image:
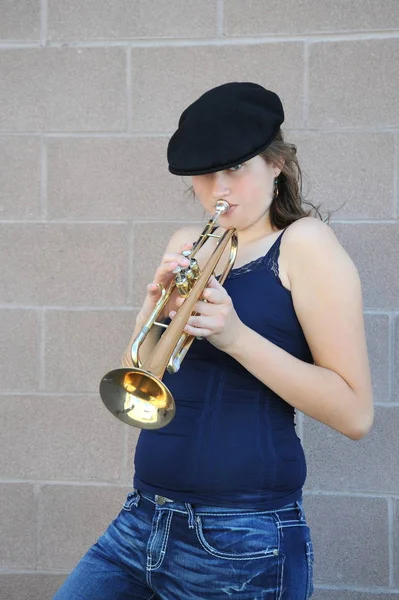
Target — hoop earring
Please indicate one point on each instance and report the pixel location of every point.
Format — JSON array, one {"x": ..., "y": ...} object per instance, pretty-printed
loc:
[{"x": 275, "y": 192}]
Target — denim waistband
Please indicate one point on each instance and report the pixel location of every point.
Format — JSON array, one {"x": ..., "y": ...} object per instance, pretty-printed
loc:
[{"x": 163, "y": 503}]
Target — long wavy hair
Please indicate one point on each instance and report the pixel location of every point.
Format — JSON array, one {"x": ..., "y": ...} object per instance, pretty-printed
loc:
[{"x": 288, "y": 205}]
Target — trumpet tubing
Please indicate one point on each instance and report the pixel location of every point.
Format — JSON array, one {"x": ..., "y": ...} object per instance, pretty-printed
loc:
[{"x": 137, "y": 396}]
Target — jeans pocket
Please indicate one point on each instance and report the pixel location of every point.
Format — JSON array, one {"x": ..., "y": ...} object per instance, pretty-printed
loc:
[
  {"x": 310, "y": 561},
  {"x": 238, "y": 536},
  {"x": 132, "y": 500}
]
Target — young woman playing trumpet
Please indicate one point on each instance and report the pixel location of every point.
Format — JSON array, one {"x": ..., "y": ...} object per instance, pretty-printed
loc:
[{"x": 216, "y": 511}]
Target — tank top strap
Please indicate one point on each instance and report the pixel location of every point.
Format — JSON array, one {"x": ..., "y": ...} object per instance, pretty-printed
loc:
[{"x": 272, "y": 255}]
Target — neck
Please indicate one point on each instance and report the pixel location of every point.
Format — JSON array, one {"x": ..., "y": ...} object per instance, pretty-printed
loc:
[{"x": 258, "y": 230}]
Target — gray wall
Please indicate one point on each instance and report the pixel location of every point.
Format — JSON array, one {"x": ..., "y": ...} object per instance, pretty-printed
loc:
[{"x": 89, "y": 93}]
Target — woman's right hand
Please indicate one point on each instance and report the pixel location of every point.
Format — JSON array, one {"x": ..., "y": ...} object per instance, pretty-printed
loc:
[{"x": 164, "y": 276}]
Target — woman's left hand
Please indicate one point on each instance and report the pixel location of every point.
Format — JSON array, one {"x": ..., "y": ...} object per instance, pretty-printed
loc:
[{"x": 217, "y": 319}]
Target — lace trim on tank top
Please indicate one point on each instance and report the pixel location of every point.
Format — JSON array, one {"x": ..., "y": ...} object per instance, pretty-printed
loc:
[{"x": 268, "y": 261}]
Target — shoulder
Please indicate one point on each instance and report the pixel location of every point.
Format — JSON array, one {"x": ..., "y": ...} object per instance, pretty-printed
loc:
[
  {"x": 311, "y": 240},
  {"x": 315, "y": 254},
  {"x": 309, "y": 231},
  {"x": 188, "y": 233}
]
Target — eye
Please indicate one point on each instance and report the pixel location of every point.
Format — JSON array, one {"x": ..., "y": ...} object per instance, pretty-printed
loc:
[{"x": 236, "y": 167}]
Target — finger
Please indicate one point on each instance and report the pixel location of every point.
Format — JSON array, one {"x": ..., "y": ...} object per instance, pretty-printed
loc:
[
  {"x": 211, "y": 296},
  {"x": 214, "y": 284},
  {"x": 153, "y": 289},
  {"x": 197, "y": 331},
  {"x": 164, "y": 271},
  {"x": 202, "y": 322},
  {"x": 167, "y": 268},
  {"x": 176, "y": 258},
  {"x": 193, "y": 322},
  {"x": 207, "y": 309},
  {"x": 215, "y": 296},
  {"x": 186, "y": 246}
]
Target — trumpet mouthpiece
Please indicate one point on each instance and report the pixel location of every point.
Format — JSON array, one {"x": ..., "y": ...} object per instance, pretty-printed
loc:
[{"x": 222, "y": 206}]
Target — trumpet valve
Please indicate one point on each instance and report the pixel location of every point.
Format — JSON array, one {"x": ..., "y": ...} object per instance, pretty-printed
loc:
[
  {"x": 183, "y": 284},
  {"x": 185, "y": 278},
  {"x": 194, "y": 269}
]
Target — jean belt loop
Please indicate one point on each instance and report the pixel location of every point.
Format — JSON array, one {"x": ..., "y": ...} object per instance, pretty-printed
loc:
[
  {"x": 137, "y": 498},
  {"x": 190, "y": 516},
  {"x": 300, "y": 511}
]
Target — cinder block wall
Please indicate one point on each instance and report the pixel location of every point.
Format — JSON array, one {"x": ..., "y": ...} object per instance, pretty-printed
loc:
[{"x": 89, "y": 94}]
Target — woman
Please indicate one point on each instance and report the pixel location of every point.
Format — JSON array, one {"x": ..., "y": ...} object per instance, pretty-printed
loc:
[{"x": 216, "y": 511}]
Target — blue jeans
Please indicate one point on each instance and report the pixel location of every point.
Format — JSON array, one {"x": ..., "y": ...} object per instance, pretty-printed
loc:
[{"x": 157, "y": 549}]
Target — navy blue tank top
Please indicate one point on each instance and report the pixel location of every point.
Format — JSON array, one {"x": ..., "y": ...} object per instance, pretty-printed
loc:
[{"x": 233, "y": 440}]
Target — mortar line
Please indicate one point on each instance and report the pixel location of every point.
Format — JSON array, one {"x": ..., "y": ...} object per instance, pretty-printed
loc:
[
  {"x": 42, "y": 349},
  {"x": 43, "y": 179},
  {"x": 391, "y": 542},
  {"x": 313, "y": 38},
  {"x": 306, "y": 79},
  {"x": 391, "y": 355},
  {"x": 59, "y": 307},
  {"x": 32, "y": 394},
  {"x": 300, "y": 426},
  {"x": 19, "y": 571},
  {"x": 379, "y": 312},
  {"x": 43, "y": 22},
  {"x": 18, "y": 45},
  {"x": 351, "y": 494},
  {"x": 352, "y": 588},
  {"x": 64, "y": 483},
  {"x": 125, "y": 454},
  {"x": 365, "y": 221},
  {"x": 129, "y": 90},
  {"x": 105, "y": 222},
  {"x": 220, "y": 17},
  {"x": 36, "y": 496},
  {"x": 87, "y": 134},
  {"x": 396, "y": 175},
  {"x": 130, "y": 262},
  {"x": 274, "y": 38}
]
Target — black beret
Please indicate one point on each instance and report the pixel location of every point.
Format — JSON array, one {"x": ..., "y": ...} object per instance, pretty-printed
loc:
[{"x": 227, "y": 125}]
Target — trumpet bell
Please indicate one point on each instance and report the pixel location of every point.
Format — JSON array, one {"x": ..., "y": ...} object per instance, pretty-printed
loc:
[{"x": 137, "y": 398}]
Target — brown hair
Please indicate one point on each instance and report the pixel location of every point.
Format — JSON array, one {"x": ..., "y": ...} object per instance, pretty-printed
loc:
[{"x": 288, "y": 205}]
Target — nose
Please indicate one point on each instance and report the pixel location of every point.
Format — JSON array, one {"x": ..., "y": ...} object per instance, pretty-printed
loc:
[{"x": 220, "y": 187}]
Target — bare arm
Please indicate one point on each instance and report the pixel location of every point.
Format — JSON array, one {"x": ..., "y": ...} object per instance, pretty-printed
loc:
[{"x": 326, "y": 293}]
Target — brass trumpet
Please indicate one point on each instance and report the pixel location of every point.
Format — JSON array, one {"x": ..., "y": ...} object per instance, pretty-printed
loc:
[{"x": 137, "y": 396}]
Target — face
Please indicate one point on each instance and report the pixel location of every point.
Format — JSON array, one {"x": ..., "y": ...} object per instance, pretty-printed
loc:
[{"x": 247, "y": 187}]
